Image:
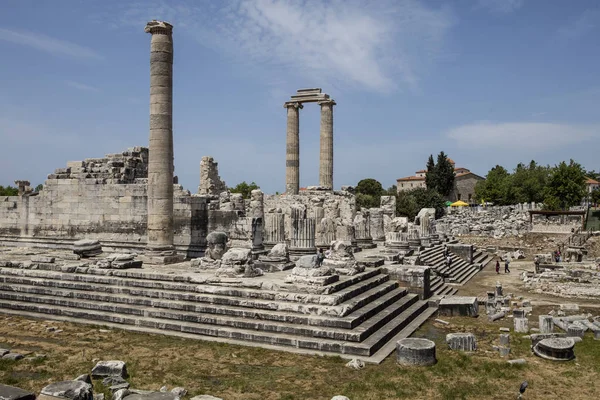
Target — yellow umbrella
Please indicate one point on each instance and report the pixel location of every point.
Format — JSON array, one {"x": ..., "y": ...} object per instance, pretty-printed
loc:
[{"x": 459, "y": 204}]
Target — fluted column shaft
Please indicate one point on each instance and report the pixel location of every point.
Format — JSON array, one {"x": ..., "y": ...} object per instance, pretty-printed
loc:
[
  {"x": 292, "y": 160},
  {"x": 160, "y": 160},
  {"x": 326, "y": 153}
]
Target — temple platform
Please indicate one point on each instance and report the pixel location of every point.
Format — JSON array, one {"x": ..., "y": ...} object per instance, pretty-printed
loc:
[{"x": 359, "y": 316}]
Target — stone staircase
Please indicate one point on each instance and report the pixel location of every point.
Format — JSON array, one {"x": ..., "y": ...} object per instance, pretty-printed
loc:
[
  {"x": 361, "y": 316},
  {"x": 459, "y": 273}
]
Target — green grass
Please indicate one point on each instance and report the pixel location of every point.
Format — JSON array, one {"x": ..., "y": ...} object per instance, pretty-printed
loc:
[{"x": 236, "y": 372}]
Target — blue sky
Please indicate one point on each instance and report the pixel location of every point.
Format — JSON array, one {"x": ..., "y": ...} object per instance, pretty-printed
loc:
[{"x": 487, "y": 81}]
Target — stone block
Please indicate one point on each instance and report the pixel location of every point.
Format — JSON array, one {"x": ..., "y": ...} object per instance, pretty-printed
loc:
[
  {"x": 73, "y": 390},
  {"x": 546, "y": 324},
  {"x": 15, "y": 393},
  {"x": 521, "y": 325},
  {"x": 461, "y": 341},
  {"x": 109, "y": 368},
  {"x": 459, "y": 306}
]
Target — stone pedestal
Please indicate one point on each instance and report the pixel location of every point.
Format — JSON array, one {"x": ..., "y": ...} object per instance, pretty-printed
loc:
[
  {"x": 326, "y": 159},
  {"x": 415, "y": 351},
  {"x": 461, "y": 341},
  {"x": 555, "y": 349},
  {"x": 546, "y": 324},
  {"x": 575, "y": 331},
  {"x": 292, "y": 162},
  {"x": 459, "y": 305},
  {"x": 160, "y": 162},
  {"x": 521, "y": 325}
]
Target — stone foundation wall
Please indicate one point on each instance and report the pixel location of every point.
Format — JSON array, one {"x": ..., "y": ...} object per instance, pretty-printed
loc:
[
  {"x": 415, "y": 278},
  {"x": 106, "y": 199}
]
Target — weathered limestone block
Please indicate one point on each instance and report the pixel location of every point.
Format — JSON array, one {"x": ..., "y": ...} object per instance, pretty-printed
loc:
[
  {"x": 556, "y": 349},
  {"x": 504, "y": 339},
  {"x": 15, "y": 393},
  {"x": 461, "y": 341},
  {"x": 237, "y": 262},
  {"x": 307, "y": 272},
  {"x": 575, "y": 331},
  {"x": 459, "y": 305},
  {"x": 278, "y": 259},
  {"x": 73, "y": 390},
  {"x": 376, "y": 224},
  {"x": 87, "y": 247},
  {"x": 110, "y": 368},
  {"x": 42, "y": 259},
  {"x": 521, "y": 325},
  {"x": 415, "y": 351},
  {"x": 341, "y": 259},
  {"x": 416, "y": 278},
  {"x": 388, "y": 206},
  {"x": 546, "y": 324},
  {"x": 210, "y": 182},
  {"x": 257, "y": 205}
]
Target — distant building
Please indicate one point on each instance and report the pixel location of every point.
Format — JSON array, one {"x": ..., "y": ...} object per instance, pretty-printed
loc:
[
  {"x": 591, "y": 184},
  {"x": 464, "y": 183}
]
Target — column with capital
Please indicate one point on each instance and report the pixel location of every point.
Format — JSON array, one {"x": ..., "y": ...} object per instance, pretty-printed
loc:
[
  {"x": 292, "y": 159},
  {"x": 326, "y": 153},
  {"x": 160, "y": 160}
]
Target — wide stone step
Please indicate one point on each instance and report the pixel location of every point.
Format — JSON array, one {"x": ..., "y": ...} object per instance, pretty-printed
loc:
[
  {"x": 361, "y": 308},
  {"x": 353, "y": 287},
  {"x": 387, "y": 332},
  {"x": 366, "y": 348},
  {"x": 192, "y": 315}
]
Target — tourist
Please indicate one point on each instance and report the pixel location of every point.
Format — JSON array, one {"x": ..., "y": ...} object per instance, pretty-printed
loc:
[
  {"x": 445, "y": 251},
  {"x": 320, "y": 257},
  {"x": 536, "y": 262},
  {"x": 506, "y": 262},
  {"x": 448, "y": 260},
  {"x": 497, "y": 266}
]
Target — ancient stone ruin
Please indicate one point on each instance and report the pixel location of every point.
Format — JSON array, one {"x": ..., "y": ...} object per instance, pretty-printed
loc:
[{"x": 117, "y": 241}]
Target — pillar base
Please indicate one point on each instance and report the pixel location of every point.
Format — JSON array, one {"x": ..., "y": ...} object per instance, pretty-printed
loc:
[
  {"x": 296, "y": 253},
  {"x": 161, "y": 255}
]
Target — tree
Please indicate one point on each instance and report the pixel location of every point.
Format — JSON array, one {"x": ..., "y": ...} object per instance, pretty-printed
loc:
[
  {"x": 592, "y": 174},
  {"x": 409, "y": 203},
  {"x": 495, "y": 188},
  {"x": 39, "y": 188},
  {"x": 9, "y": 191},
  {"x": 368, "y": 193},
  {"x": 244, "y": 188},
  {"x": 529, "y": 182},
  {"x": 430, "y": 175},
  {"x": 440, "y": 175},
  {"x": 566, "y": 186},
  {"x": 444, "y": 171}
]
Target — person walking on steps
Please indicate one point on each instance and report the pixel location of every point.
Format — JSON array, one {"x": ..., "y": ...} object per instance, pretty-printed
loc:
[
  {"x": 506, "y": 263},
  {"x": 497, "y": 266},
  {"x": 536, "y": 262}
]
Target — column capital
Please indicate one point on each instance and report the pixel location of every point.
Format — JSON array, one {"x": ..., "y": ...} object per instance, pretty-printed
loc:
[
  {"x": 294, "y": 104},
  {"x": 160, "y": 27},
  {"x": 328, "y": 102}
]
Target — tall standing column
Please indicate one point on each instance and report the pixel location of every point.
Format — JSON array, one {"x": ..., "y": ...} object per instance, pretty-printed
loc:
[
  {"x": 292, "y": 160},
  {"x": 326, "y": 159},
  {"x": 160, "y": 162}
]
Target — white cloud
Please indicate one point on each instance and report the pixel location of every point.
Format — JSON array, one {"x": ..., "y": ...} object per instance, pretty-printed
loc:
[
  {"x": 581, "y": 25},
  {"x": 500, "y": 6},
  {"x": 378, "y": 46},
  {"x": 82, "y": 86},
  {"x": 48, "y": 44},
  {"x": 521, "y": 136}
]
